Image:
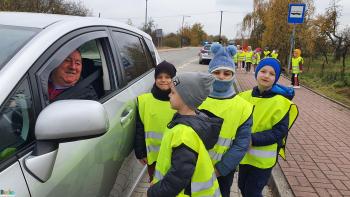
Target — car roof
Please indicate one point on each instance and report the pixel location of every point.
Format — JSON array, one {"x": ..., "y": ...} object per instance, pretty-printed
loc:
[{"x": 42, "y": 21}]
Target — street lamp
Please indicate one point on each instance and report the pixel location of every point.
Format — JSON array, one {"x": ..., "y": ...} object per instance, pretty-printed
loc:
[
  {"x": 182, "y": 28},
  {"x": 146, "y": 16}
]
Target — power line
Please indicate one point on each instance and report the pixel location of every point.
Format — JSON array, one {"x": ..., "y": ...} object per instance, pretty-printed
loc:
[{"x": 179, "y": 15}]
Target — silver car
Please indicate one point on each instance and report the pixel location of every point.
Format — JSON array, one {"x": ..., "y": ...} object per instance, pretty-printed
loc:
[
  {"x": 205, "y": 54},
  {"x": 70, "y": 147}
]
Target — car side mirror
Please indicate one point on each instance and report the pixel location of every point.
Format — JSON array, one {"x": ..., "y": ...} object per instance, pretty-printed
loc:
[{"x": 63, "y": 121}]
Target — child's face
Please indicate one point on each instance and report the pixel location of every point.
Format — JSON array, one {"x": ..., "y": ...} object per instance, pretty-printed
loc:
[
  {"x": 266, "y": 77},
  {"x": 295, "y": 54},
  {"x": 163, "y": 81},
  {"x": 223, "y": 74},
  {"x": 176, "y": 101}
]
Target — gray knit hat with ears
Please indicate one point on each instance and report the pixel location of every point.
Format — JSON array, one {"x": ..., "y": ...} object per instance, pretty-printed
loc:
[{"x": 193, "y": 87}]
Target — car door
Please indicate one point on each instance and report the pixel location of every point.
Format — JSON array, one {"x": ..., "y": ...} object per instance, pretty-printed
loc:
[
  {"x": 84, "y": 167},
  {"x": 16, "y": 126},
  {"x": 137, "y": 63}
]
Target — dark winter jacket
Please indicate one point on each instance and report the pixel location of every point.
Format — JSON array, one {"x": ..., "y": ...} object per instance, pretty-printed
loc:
[
  {"x": 139, "y": 141},
  {"x": 278, "y": 131},
  {"x": 184, "y": 159}
]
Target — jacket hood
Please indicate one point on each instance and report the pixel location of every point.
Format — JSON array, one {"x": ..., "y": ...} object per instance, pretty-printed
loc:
[{"x": 205, "y": 124}]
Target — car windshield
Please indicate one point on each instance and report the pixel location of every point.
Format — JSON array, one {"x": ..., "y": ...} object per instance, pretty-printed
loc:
[
  {"x": 12, "y": 40},
  {"x": 207, "y": 47}
]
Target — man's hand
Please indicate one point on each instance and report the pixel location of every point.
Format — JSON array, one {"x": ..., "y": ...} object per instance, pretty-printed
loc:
[{"x": 143, "y": 161}]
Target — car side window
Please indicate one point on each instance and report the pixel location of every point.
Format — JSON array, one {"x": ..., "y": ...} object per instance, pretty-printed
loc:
[
  {"x": 151, "y": 50},
  {"x": 132, "y": 55},
  {"x": 83, "y": 74},
  {"x": 16, "y": 120}
]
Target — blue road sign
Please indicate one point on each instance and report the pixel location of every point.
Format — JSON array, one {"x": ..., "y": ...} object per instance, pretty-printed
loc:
[{"x": 296, "y": 13}]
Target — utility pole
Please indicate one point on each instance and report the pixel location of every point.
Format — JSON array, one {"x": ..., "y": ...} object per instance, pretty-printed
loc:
[
  {"x": 291, "y": 47},
  {"x": 146, "y": 16},
  {"x": 182, "y": 29},
  {"x": 220, "y": 27}
]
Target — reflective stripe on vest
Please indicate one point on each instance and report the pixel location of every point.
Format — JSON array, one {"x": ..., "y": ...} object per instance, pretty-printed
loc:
[
  {"x": 267, "y": 113},
  {"x": 152, "y": 149},
  {"x": 262, "y": 153},
  {"x": 295, "y": 64},
  {"x": 195, "y": 186},
  {"x": 235, "y": 111},
  {"x": 203, "y": 180},
  {"x": 155, "y": 116},
  {"x": 154, "y": 135}
]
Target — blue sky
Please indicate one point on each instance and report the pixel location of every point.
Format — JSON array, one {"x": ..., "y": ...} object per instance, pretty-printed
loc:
[{"x": 167, "y": 14}]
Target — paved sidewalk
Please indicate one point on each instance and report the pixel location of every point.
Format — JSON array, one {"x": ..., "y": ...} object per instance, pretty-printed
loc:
[
  {"x": 318, "y": 146},
  {"x": 141, "y": 189}
]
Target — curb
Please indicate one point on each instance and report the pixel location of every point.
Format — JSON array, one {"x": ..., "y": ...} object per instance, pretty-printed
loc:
[
  {"x": 171, "y": 49},
  {"x": 320, "y": 94},
  {"x": 278, "y": 182}
]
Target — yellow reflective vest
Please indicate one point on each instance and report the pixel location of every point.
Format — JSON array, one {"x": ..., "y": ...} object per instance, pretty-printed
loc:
[
  {"x": 274, "y": 55},
  {"x": 235, "y": 112},
  {"x": 256, "y": 58},
  {"x": 155, "y": 116},
  {"x": 241, "y": 56},
  {"x": 295, "y": 64},
  {"x": 203, "y": 181},
  {"x": 267, "y": 53},
  {"x": 248, "y": 56},
  {"x": 267, "y": 113},
  {"x": 235, "y": 58}
]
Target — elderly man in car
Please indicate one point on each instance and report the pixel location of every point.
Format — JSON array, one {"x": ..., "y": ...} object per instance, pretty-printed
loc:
[{"x": 65, "y": 79}]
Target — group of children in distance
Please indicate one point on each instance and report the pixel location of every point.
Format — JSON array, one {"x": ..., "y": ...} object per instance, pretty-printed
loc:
[
  {"x": 194, "y": 131},
  {"x": 247, "y": 60}
]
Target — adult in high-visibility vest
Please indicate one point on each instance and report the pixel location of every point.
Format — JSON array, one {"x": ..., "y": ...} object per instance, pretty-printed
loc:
[
  {"x": 273, "y": 116},
  {"x": 183, "y": 165},
  {"x": 274, "y": 54},
  {"x": 256, "y": 58},
  {"x": 154, "y": 114},
  {"x": 235, "y": 132},
  {"x": 240, "y": 57},
  {"x": 266, "y": 52},
  {"x": 297, "y": 67},
  {"x": 248, "y": 59}
]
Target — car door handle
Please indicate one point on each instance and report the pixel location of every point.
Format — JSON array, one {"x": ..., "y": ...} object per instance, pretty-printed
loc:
[{"x": 126, "y": 116}]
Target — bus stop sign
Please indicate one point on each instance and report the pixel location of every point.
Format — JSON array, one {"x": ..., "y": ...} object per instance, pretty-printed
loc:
[{"x": 296, "y": 13}]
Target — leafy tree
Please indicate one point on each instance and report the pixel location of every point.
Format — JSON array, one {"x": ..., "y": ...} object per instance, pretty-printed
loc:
[
  {"x": 45, "y": 6},
  {"x": 171, "y": 40},
  {"x": 197, "y": 34}
]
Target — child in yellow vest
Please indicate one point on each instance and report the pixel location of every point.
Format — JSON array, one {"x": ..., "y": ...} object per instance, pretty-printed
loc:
[
  {"x": 274, "y": 114},
  {"x": 235, "y": 132},
  {"x": 297, "y": 67},
  {"x": 183, "y": 165},
  {"x": 154, "y": 113}
]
